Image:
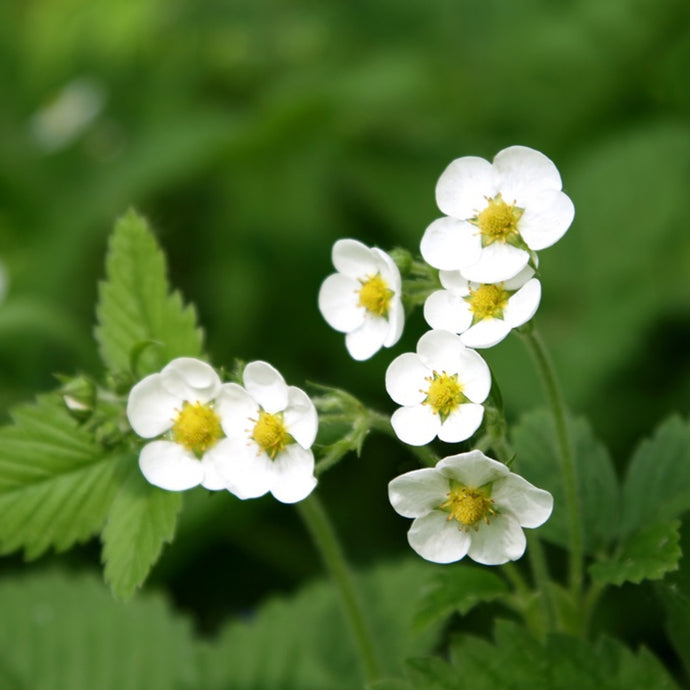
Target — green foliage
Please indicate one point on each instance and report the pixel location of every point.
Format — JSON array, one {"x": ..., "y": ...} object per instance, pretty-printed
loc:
[
  {"x": 141, "y": 519},
  {"x": 457, "y": 589},
  {"x": 303, "y": 643},
  {"x": 138, "y": 318},
  {"x": 517, "y": 661},
  {"x": 646, "y": 555},
  {"x": 66, "y": 632},
  {"x": 56, "y": 482},
  {"x": 537, "y": 461}
]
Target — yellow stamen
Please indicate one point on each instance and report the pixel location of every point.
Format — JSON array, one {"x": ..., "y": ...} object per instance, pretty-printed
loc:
[
  {"x": 270, "y": 434},
  {"x": 197, "y": 427},
  {"x": 375, "y": 295},
  {"x": 444, "y": 394},
  {"x": 468, "y": 506},
  {"x": 498, "y": 222},
  {"x": 488, "y": 301}
]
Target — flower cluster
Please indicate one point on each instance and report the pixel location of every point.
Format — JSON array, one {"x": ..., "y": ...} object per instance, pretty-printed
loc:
[
  {"x": 497, "y": 215},
  {"x": 249, "y": 439}
]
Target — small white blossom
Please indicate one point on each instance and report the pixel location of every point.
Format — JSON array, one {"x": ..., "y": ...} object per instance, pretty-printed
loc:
[
  {"x": 182, "y": 407},
  {"x": 469, "y": 505},
  {"x": 441, "y": 388},
  {"x": 483, "y": 314},
  {"x": 363, "y": 299},
  {"x": 269, "y": 433},
  {"x": 497, "y": 214}
]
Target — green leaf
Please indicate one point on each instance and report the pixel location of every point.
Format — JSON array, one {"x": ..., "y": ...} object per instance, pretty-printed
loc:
[
  {"x": 460, "y": 589},
  {"x": 65, "y": 632},
  {"x": 141, "y": 519},
  {"x": 657, "y": 484},
  {"x": 304, "y": 642},
  {"x": 537, "y": 461},
  {"x": 518, "y": 661},
  {"x": 56, "y": 483},
  {"x": 136, "y": 314},
  {"x": 647, "y": 555}
]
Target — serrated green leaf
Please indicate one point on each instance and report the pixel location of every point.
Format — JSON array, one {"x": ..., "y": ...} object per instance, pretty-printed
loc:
[
  {"x": 66, "y": 632},
  {"x": 599, "y": 495},
  {"x": 141, "y": 519},
  {"x": 460, "y": 589},
  {"x": 304, "y": 642},
  {"x": 646, "y": 555},
  {"x": 136, "y": 310},
  {"x": 657, "y": 483},
  {"x": 56, "y": 483}
]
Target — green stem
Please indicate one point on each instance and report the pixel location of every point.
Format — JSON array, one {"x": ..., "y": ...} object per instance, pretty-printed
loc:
[
  {"x": 321, "y": 529},
  {"x": 549, "y": 380},
  {"x": 542, "y": 581}
]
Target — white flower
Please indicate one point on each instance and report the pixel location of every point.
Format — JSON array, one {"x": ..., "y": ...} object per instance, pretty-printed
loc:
[
  {"x": 483, "y": 313},
  {"x": 269, "y": 432},
  {"x": 469, "y": 505},
  {"x": 363, "y": 298},
  {"x": 441, "y": 387},
  {"x": 183, "y": 405},
  {"x": 496, "y": 214}
]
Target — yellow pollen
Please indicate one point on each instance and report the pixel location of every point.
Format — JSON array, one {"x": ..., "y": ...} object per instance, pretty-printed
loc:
[
  {"x": 197, "y": 427},
  {"x": 270, "y": 434},
  {"x": 444, "y": 394},
  {"x": 375, "y": 295},
  {"x": 498, "y": 222},
  {"x": 468, "y": 506},
  {"x": 488, "y": 301}
]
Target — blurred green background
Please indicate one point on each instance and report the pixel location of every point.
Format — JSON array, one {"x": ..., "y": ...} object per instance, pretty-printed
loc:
[{"x": 255, "y": 134}]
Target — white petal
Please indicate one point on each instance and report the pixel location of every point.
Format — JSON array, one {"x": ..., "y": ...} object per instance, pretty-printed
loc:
[
  {"x": 531, "y": 506},
  {"x": 300, "y": 417},
  {"x": 473, "y": 469},
  {"x": 417, "y": 493},
  {"x": 245, "y": 471},
  {"x": 441, "y": 351},
  {"x": 367, "y": 340},
  {"x": 266, "y": 385},
  {"x": 212, "y": 479},
  {"x": 546, "y": 219},
  {"x": 406, "y": 379},
  {"x": 190, "y": 379},
  {"x": 474, "y": 375},
  {"x": 416, "y": 425},
  {"x": 354, "y": 259},
  {"x": 485, "y": 333},
  {"x": 461, "y": 423},
  {"x": 522, "y": 170},
  {"x": 388, "y": 269},
  {"x": 438, "y": 539},
  {"x": 396, "y": 322},
  {"x": 151, "y": 408},
  {"x": 338, "y": 303},
  {"x": 519, "y": 280},
  {"x": 451, "y": 244},
  {"x": 170, "y": 466},
  {"x": 523, "y": 305},
  {"x": 448, "y": 311},
  {"x": 497, "y": 262},
  {"x": 293, "y": 474},
  {"x": 500, "y": 541},
  {"x": 237, "y": 410},
  {"x": 454, "y": 280},
  {"x": 462, "y": 189}
]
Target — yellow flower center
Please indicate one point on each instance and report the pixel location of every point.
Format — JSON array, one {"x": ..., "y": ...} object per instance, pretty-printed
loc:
[
  {"x": 498, "y": 222},
  {"x": 488, "y": 301},
  {"x": 270, "y": 434},
  {"x": 444, "y": 394},
  {"x": 467, "y": 506},
  {"x": 197, "y": 427},
  {"x": 375, "y": 295}
]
